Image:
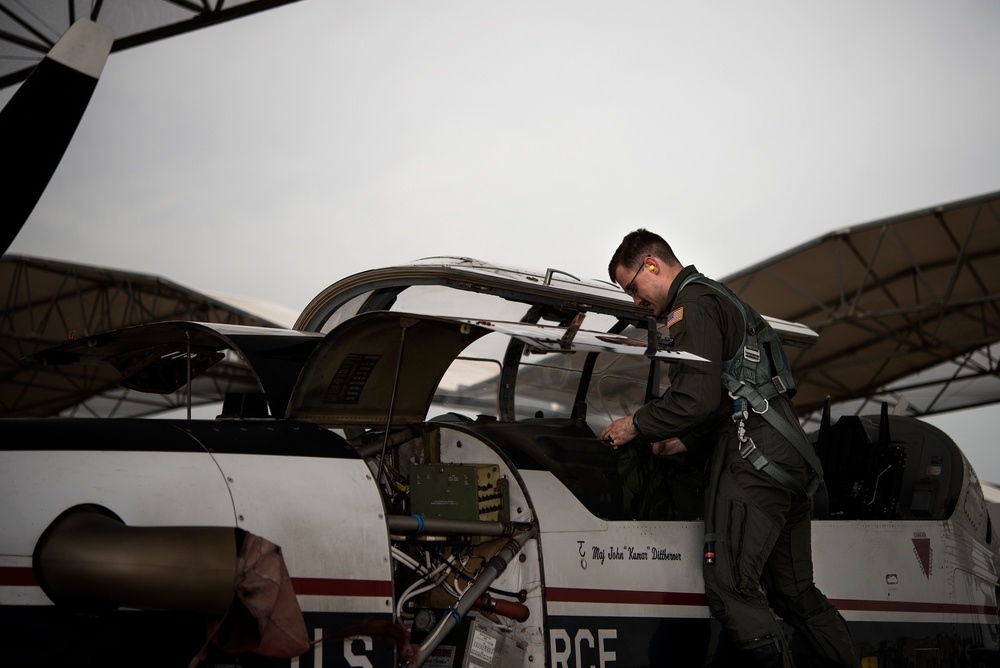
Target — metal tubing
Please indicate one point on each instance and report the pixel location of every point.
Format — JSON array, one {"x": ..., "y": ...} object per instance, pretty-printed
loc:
[
  {"x": 493, "y": 569},
  {"x": 419, "y": 525}
]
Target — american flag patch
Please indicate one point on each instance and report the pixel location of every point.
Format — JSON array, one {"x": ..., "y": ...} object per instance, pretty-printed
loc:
[{"x": 675, "y": 316}]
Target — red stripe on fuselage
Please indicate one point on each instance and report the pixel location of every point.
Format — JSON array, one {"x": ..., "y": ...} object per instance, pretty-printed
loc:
[
  {"x": 573, "y": 595},
  {"x": 20, "y": 576},
  {"x": 331, "y": 587},
  {"x": 17, "y": 576},
  {"x": 23, "y": 576},
  {"x": 913, "y": 606},
  {"x": 615, "y": 596}
]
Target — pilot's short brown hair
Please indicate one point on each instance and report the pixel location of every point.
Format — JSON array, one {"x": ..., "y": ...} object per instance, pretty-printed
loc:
[{"x": 636, "y": 246}]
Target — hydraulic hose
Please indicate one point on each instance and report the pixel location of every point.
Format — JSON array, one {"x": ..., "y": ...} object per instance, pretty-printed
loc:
[{"x": 491, "y": 571}]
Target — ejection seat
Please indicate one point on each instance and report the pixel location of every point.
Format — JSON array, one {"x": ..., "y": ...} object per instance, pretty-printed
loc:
[
  {"x": 888, "y": 467},
  {"x": 862, "y": 469}
]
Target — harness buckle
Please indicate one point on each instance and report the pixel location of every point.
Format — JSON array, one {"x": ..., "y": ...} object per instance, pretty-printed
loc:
[
  {"x": 750, "y": 453},
  {"x": 739, "y": 408},
  {"x": 751, "y": 354},
  {"x": 767, "y": 405}
]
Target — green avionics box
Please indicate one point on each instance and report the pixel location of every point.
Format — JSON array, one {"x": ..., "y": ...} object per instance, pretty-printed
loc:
[{"x": 458, "y": 492}]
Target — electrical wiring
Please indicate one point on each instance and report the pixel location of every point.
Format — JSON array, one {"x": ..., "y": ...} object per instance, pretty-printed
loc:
[{"x": 416, "y": 589}]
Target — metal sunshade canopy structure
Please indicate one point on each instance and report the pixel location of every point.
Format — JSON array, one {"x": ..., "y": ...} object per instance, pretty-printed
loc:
[
  {"x": 907, "y": 310},
  {"x": 29, "y": 29},
  {"x": 46, "y": 302}
]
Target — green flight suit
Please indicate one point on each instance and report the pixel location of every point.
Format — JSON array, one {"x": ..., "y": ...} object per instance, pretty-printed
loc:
[
  {"x": 761, "y": 530},
  {"x": 660, "y": 488}
]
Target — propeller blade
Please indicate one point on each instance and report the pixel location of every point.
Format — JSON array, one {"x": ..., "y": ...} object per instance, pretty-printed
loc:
[{"x": 38, "y": 122}]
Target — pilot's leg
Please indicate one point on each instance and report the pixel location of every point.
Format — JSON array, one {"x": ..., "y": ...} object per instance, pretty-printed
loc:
[
  {"x": 788, "y": 580},
  {"x": 744, "y": 536}
]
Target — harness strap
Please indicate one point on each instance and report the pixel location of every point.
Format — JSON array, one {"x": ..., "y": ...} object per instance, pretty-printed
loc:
[
  {"x": 743, "y": 391},
  {"x": 749, "y": 452},
  {"x": 794, "y": 436}
]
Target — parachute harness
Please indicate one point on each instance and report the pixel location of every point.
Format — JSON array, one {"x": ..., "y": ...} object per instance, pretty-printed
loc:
[{"x": 749, "y": 385}]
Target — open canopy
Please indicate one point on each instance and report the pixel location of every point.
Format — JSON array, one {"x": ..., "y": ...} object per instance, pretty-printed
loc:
[
  {"x": 163, "y": 357},
  {"x": 383, "y": 363},
  {"x": 47, "y": 302}
]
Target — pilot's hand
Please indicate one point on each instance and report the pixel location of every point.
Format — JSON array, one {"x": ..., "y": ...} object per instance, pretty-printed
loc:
[
  {"x": 619, "y": 432},
  {"x": 671, "y": 446}
]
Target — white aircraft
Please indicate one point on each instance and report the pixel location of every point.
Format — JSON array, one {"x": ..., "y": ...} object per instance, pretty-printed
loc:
[
  {"x": 414, "y": 479},
  {"x": 418, "y": 469}
]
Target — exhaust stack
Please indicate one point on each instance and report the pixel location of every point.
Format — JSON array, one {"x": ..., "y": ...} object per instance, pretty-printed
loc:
[{"x": 89, "y": 560}]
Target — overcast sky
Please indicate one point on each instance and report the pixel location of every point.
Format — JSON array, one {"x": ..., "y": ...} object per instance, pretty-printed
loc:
[{"x": 276, "y": 154}]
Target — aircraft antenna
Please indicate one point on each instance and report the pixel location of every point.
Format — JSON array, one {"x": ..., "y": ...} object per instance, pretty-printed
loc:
[{"x": 187, "y": 337}]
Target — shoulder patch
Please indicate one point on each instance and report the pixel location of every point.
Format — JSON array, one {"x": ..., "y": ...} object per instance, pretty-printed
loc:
[{"x": 675, "y": 316}]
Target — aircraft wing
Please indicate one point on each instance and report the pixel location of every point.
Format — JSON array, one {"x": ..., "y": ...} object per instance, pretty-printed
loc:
[
  {"x": 37, "y": 124},
  {"x": 64, "y": 54},
  {"x": 905, "y": 307}
]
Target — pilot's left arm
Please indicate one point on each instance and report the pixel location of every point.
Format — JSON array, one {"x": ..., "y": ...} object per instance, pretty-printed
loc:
[{"x": 695, "y": 387}]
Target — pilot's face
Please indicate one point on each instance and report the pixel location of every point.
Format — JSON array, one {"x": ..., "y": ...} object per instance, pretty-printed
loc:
[{"x": 645, "y": 285}]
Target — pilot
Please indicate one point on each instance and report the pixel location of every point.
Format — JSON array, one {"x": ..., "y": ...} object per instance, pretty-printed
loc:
[{"x": 763, "y": 469}]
